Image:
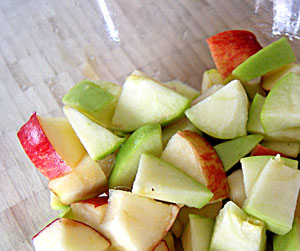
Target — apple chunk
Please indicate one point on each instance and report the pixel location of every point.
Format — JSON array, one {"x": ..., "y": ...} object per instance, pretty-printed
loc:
[
  {"x": 136, "y": 223},
  {"x": 90, "y": 211},
  {"x": 195, "y": 156},
  {"x": 160, "y": 180},
  {"x": 237, "y": 187},
  {"x": 231, "y": 48},
  {"x": 66, "y": 234},
  {"x": 85, "y": 181},
  {"x": 51, "y": 145}
]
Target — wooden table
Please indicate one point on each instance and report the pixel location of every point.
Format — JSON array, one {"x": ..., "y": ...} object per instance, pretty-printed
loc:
[{"x": 48, "y": 46}]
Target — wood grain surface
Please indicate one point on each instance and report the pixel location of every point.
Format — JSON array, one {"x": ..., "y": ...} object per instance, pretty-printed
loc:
[{"x": 48, "y": 46}]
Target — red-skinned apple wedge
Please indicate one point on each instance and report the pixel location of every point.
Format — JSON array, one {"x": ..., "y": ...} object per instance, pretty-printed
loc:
[
  {"x": 261, "y": 150},
  {"x": 66, "y": 234},
  {"x": 231, "y": 48},
  {"x": 51, "y": 145},
  {"x": 194, "y": 155}
]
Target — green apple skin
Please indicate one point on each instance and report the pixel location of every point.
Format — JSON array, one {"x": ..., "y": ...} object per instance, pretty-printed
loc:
[
  {"x": 289, "y": 241},
  {"x": 146, "y": 101},
  {"x": 97, "y": 140},
  {"x": 235, "y": 231},
  {"x": 212, "y": 115},
  {"x": 274, "y": 195},
  {"x": 281, "y": 107},
  {"x": 157, "y": 179},
  {"x": 265, "y": 60},
  {"x": 55, "y": 203},
  {"x": 92, "y": 100},
  {"x": 230, "y": 152},
  {"x": 147, "y": 139},
  {"x": 252, "y": 166},
  {"x": 183, "y": 89},
  {"x": 197, "y": 233}
]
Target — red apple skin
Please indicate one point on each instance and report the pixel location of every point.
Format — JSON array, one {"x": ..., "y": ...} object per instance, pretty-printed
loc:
[
  {"x": 231, "y": 48},
  {"x": 211, "y": 165},
  {"x": 96, "y": 201},
  {"x": 40, "y": 151},
  {"x": 260, "y": 150}
]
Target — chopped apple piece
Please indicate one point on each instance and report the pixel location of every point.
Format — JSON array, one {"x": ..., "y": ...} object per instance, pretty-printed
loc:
[
  {"x": 252, "y": 166},
  {"x": 179, "y": 125},
  {"x": 211, "y": 90},
  {"x": 230, "y": 152},
  {"x": 274, "y": 195},
  {"x": 234, "y": 230},
  {"x": 210, "y": 77},
  {"x": 147, "y": 139},
  {"x": 160, "y": 180},
  {"x": 197, "y": 233},
  {"x": 107, "y": 163},
  {"x": 252, "y": 87},
  {"x": 289, "y": 241},
  {"x": 212, "y": 117},
  {"x": 55, "y": 202},
  {"x": 231, "y": 48},
  {"x": 195, "y": 156},
  {"x": 87, "y": 180},
  {"x": 136, "y": 223},
  {"x": 271, "y": 78},
  {"x": 90, "y": 211},
  {"x": 138, "y": 95},
  {"x": 260, "y": 150},
  {"x": 93, "y": 101},
  {"x": 291, "y": 149},
  {"x": 66, "y": 234},
  {"x": 97, "y": 140},
  {"x": 237, "y": 187},
  {"x": 266, "y": 60},
  {"x": 53, "y": 138},
  {"x": 183, "y": 89}
]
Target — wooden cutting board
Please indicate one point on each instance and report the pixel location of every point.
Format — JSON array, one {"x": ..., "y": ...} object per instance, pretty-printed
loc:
[{"x": 48, "y": 46}]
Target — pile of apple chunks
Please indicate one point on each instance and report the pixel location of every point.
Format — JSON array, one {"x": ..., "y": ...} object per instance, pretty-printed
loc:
[{"x": 163, "y": 166}]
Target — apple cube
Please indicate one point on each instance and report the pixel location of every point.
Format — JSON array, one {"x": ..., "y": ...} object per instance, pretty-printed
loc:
[
  {"x": 231, "y": 48},
  {"x": 195, "y": 156},
  {"x": 212, "y": 117},
  {"x": 66, "y": 234},
  {"x": 138, "y": 94},
  {"x": 252, "y": 166},
  {"x": 237, "y": 187},
  {"x": 266, "y": 60},
  {"x": 97, "y": 140},
  {"x": 274, "y": 195},
  {"x": 92, "y": 100},
  {"x": 147, "y": 139},
  {"x": 289, "y": 241},
  {"x": 51, "y": 145},
  {"x": 183, "y": 89},
  {"x": 85, "y": 181},
  {"x": 160, "y": 180},
  {"x": 230, "y": 152},
  {"x": 234, "y": 230},
  {"x": 90, "y": 211},
  {"x": 136, "y": 223},
  {"x": 197, "y": 233}
]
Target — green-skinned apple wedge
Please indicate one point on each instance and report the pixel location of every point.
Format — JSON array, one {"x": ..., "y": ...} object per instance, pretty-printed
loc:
[
  {"x": 274, "y": 195},
  {"x": 160, "y": 180},
  {"x": 234, "y": 230},
  {"x": 230, "y": 152},
  {"x": 197, "y": 233},
  {"x": 144, "y": 101},
  {"x": 266, "y": 60},
  {"x": 92, "y": 100},
  {"x": 252, "y": 166},
  {"x": 147, "y": 139},
  {"x": 97, "y": 140},
  {"x": 183, "y": 89},
  {"x": 66, "y": 234},
  {"x": 194, "y": 155},
  {"x": 212, "y": 117},
  {"x": 127, "y": 227},
  {"x": 281, "y": 107}
]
